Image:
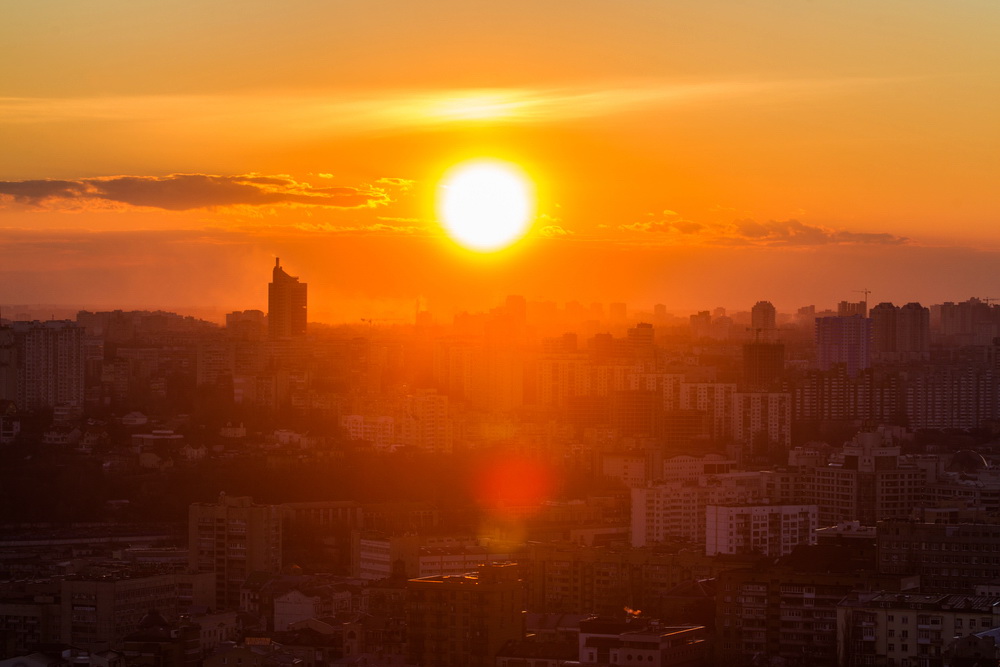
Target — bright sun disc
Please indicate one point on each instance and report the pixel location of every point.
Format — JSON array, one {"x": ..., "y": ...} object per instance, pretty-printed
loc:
[{"x": 486, "y": 204}]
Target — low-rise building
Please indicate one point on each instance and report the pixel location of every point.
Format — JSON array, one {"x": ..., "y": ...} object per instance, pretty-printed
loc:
[
  {"x": 98, "y": 613},
  {"x": 637, "y": 641},
  {"x": 788, "y": 611},
  {"x": 909, "y": 629},
  {"x": 464, "y": 620},
  {"x": 950, "y": 557}
]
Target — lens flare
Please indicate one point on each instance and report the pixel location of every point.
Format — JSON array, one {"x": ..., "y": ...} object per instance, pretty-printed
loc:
[{"x": 514, "y": 485}]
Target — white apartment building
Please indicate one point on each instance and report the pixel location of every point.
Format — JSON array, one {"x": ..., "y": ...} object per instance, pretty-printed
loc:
[
  {"x": 380, "y": 431},
  {"x": 767, "y": 414},
  {"x": 714, "y": 399},
  {"x": 677, "y": 509},
  {"x": 770, "y": 530}
]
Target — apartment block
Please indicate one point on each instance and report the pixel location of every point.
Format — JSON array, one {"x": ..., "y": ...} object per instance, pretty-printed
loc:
[{"x": 231, "y": 539}]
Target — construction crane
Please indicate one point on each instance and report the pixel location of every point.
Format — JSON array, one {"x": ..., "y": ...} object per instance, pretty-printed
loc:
[{"x": 866, "y": 292}]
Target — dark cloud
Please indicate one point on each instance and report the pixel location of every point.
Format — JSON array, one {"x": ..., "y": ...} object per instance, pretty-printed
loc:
[
  {"x": 752, "y": 232},
  {"x": 751, "y": 228},
  {"x": 30, "y": 192},
  {"x": 688, "y": 227},
  {"x": 671, "y": 223},
  {"x": 863, "y": 237},
  {"x": 794, "y": 232},
  {"x": 183, "y": 192}
]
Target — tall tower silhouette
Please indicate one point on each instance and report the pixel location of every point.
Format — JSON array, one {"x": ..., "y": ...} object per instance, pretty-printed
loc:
[
  {"x": 763, "y": 319},
  {"x": 286, "y": 304}
]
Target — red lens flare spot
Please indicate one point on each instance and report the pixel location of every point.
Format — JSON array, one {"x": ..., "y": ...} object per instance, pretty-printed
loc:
[{"x": 515, "y": 483}]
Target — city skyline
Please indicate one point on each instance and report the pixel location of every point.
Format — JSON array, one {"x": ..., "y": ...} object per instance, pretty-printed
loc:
[{"x": 700, "y": 153}]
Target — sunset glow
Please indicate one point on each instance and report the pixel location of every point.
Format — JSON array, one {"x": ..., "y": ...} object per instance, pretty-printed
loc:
[{"x": 658, "y": 139}]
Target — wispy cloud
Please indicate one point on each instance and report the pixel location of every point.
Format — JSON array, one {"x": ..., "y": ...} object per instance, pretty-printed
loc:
[
  {"x": 182, "y": 192},
  {"x": 554, "y": 232},
  {"x": 409, "y": 108},
  {"x": 670, "y": 227},
  {"x": 373, "y": 228}
]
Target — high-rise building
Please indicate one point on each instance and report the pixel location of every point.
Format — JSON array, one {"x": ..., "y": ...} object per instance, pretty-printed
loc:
[
  {"x": 763, "y": 364},
  {"x": 425, "y": 424},
  {"x": 701, "y": 325},
  {"x": 640, "y": 341},
  {"x": 246, "y": 324},
  {"x": 286, "y": 304},
  {"x": 913, "y": 332},
  {"x": 900, "y": 334},
  {"x": 42, "y": 364},
  {"x": 844, "y": 340},
  {"x": 763, "y": 319},
  {"x": 618, "y": 313},
  {"x": 715, "y": 399},
  {"x": 233, "y": 538},
  {"x": 972, "y": 322},
  {"x": 884, "y": 318},
  {"x": 849, "y": 308},
  {"x": 762, "y": 423}
]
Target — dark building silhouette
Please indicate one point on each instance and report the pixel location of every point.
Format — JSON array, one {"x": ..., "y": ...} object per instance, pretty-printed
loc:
[
  {"x": 900, "y": 334},
  {"x": 763, "y": 319},
  {"x": 463, "y": 620},
  {"x": 850, "y": 308},
  {"x": 41, "y": 364},
  {"x": 286, "y": 304},
  {"x": 914, "y": 332},
  {"x": 763, "y": 364},
  {"x": 158, "y": 643},
  {"x": 233, "y": 538},
  {"x": 844, "y": 340}
]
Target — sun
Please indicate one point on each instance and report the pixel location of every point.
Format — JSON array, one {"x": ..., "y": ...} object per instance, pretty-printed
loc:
[{"x": 486, "y": 205}]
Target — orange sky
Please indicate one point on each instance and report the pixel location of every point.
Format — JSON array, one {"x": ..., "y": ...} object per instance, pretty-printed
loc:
[{"x": 693, "y": 153}]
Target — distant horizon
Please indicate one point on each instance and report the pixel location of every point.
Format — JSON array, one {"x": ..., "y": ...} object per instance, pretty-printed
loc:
[{"x": 9, "y": 312}]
